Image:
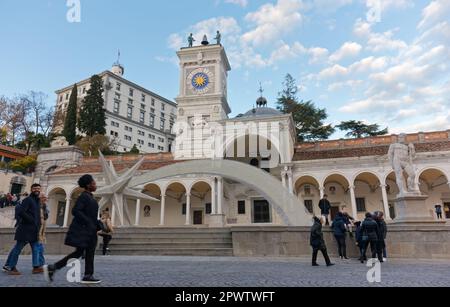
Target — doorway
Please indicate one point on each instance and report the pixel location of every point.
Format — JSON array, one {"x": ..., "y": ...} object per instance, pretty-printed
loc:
[
  {"x": 447, "y": 210},
  {"x": 198, "y": 217},
  {"x": 335, "y": 209},
  {"x": 261, "y": 212}
]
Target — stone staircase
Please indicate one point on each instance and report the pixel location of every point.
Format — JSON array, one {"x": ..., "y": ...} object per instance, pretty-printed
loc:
[{"x": 171, "y": 242}]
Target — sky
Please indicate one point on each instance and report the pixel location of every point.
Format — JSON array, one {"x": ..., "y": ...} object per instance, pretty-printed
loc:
[{"x": 380, "y": 61}]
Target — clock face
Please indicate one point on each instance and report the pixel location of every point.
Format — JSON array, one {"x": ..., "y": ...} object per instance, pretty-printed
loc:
[{"x": 200, "y": 80}]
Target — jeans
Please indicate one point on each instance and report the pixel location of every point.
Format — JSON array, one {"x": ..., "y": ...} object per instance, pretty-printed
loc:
[
  {"x": 77, "y": 254},
  {"x": 13, "y": 257},
  {"x": 106, "y": 240},
  {"x": 41, "y": 251},
  {"x": 342, "y": 245}
]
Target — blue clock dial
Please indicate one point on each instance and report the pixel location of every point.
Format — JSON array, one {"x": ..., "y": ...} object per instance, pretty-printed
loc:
[{"x": 200, "y": 81}]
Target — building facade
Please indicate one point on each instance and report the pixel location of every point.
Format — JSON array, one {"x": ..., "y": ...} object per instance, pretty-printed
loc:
[
  {"x": 134, "y": 115},
  {"x": 355, "y": 174}
]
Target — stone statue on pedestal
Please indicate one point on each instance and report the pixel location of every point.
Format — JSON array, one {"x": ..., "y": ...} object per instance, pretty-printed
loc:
[
  {"x": 402, "y": 158},
  {"x": 218, "y": 38},
  {"x": 60, "y": 141},
  {"x": 191, "y": 40}
]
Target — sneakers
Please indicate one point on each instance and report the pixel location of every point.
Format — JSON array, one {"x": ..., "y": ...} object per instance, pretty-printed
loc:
[
  {"x": 315, "y": 264},
  {"x": 38, "y": 271},
  {"x": 6, "y": 269},
  {"x": 14, "y": 272},
  {"x": 330, "y": 264},
  {"x": 49, "y": 272},
  {"x": 90, "y": 280}
]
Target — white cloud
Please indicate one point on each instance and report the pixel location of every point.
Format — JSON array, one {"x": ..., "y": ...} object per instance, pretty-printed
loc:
[
  {"x": 318, "y": 54},
  {"x": 273, "y": 21},
  {"x": 435, "y": 11},
  {"x": 242, "y": 3},
  {"x": 334, "y": 71},
  {"x": 175, "y": 41},
  {"x": 383, "y": 41},
  {"x": 348, "y": 49}
]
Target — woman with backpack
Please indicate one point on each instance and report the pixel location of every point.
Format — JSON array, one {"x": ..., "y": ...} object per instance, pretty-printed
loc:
[{"x": 107, "y": 231}]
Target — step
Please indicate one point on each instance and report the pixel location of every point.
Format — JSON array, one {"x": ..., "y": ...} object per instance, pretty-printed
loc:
[
  {"x": 171, "y": 252},
  {"x": 173, "y": 230},
  {"x": 170, "y": 236},
  {"x": 171, "y": 241},
  {"x": 170, "y": 245}
]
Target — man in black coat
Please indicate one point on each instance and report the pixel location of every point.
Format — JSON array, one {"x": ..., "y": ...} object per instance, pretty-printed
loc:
[
  {"x": 318, "y": 243},
  {"x": 82, "y": 232},
  {"x": 325, "y": 208},
  {"x": 28, "y": 223},
  {"x": 371, "y": 232}
]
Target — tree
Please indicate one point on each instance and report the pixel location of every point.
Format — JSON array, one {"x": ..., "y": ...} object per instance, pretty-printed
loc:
[
  {"x": 92, "y": 115},
  {"x": 358, "y": 129},
  {"x": 90, "y": 145},
  {"x": 309, "y": 119},
  {"x": 25, "y": 165},
  {"x": 70, "y": 125},
  {"x": 134, "y": 150}
]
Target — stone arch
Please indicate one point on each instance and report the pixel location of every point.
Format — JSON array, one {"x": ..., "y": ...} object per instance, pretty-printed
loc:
[
  {"x": 337, "y": 176},
  {"x": 428, "y": 174},
  {"x": 57, "y": 199},
  {"x": 287, "y": 205},
  {"x": 371, "y": 173},
  {"x": 50, "y": 189},
  {"x": 306, "y": 179},
  {"x": 432, "y": 168},
  {"x": 153, "y": 189}
]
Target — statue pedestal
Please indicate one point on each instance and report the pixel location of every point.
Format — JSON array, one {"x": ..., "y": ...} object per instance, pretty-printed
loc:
[
  {"x": 217, "y": 221},
  {"x": 412, "y": 210}
]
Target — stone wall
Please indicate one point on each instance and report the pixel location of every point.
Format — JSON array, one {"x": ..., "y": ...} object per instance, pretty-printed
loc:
[{"x": 432, "y": 242}]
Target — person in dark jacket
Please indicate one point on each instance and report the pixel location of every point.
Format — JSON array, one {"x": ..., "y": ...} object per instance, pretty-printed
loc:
[
  {"x": 325, "y": 208},
  {"x": 339, "y": 230},
  {"x": 82, "y": 232},
  {"x": 370, "y": 232},
  {"x": 318, "y": 243},
  {"x": 28, "y": 223},
  {"x": 383, "y": 230},
  {"x": 359, "y": 241}
]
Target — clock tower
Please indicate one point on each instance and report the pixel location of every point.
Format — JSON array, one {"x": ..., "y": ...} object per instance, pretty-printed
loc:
[{"x": 203, "y": 83}]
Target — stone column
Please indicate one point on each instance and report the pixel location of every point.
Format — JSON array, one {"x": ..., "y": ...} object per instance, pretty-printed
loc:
[
  {"x": 353, "y": 201},
  {"x": 188, "y": 209},
  {"x": 213, "y": 198},
  {"x": 322, "y": 192},
  {"x": 387, "y": 212},
  {"x": 113, "y": 215},
  {"x": 163, "y": 209},
  {"x": 66, "y": 213},
  {"x": 283, "y": 179},
  {"x": 220, "y": 196},
  {"x": 290, "y": 181},
  {"x": 138, "y": 212}
]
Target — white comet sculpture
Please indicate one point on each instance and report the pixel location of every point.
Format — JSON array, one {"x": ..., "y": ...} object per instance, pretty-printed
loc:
[{"x": 117, "y": 191}]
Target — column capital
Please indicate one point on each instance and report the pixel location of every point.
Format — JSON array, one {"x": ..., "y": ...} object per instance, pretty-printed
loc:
[
  {"x": 352, "y": 187},
  {"x": 383, "y": 185}
]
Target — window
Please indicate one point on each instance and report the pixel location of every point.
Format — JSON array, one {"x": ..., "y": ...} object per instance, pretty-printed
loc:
[
  {"x": 307, "y": 190},
  {"x": 151, "y": 136},
  {"x": 67, "y": 96},
  {"x": 161, "y": 140},
  {"x": 142, "y": 117},
  {"x": 241, "y": 207},
  {"x": 131, "y": 92},
  {"x": 361, "y": 204},
  {"x": 309, "y": 206},
  {"x": 118, "y": 85},
  {"x": 183, "y": 210},
  {"x": 143, "y": 98},
  {"x": 151, "y": 145},
  {"x": 128, "y": 129},
  {"x": 208, "y": 208},
  {"x": 142, "y": 106},
  {"x": 84, "y": 90},
  {"x": 140, "y": 132},
  {"x": 153, "y": 102},
  {"x": 152, "y": 121},
  {"x": 128, "y": 138},
  {"x": 163, "y": 106},
  {"x": 61, "y": 98},
  {"x": 163, "y": 115},
  {"x": 117, "y": 96},
  {"x": 261, "y": 211},
  {"x": 152, "y": 110},
  {"x": 140, "y": 142},
  {"x": 130, "y": 101},
  {"x": 116, "y": 106},
  {"x": 161, "y": 148},
  {"x": 163, "y": 124},
  {"x": 115, "y": 124},
  {"x": 130, "y": 112}
]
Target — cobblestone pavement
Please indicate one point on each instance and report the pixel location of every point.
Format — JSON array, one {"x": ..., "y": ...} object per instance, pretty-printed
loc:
[{"x": 240, "y": 272}]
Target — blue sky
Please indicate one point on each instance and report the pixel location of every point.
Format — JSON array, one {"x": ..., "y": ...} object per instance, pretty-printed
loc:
[{"x": 393, "y": 69}]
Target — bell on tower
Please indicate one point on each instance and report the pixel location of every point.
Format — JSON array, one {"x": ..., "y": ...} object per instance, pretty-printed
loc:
[{"x": 117, "y": 68}]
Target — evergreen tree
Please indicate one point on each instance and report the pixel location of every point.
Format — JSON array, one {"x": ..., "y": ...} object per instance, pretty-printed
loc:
[
  {"x": 309, "y": 119},
  {"x": 134, "y": 150},
  {"x": 70, "y": 124},
  {"x": 358, "y": 129},
  {"x": 92, "y": 115}
]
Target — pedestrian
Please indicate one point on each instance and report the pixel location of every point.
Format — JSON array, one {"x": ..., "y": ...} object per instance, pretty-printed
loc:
[
  {"x": 360, "y": 242},
  {"x": 28, "y": 224},
  {"x": 339, "y": 231},
  {"x": 348, "y": 221},
  {"x": 107, "y": 231},
  {"x": 383, "y": 231},
  {"x": 82, "y": 234},
  {"x": 42, "y": 240},
  {"x": 2, "y": 201},
  {"x": 325, "y": 208},
  {"x": 370, "y": 233},
  {"x": 438, "y": 208},
  {"x": 318, "y": 243}
]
